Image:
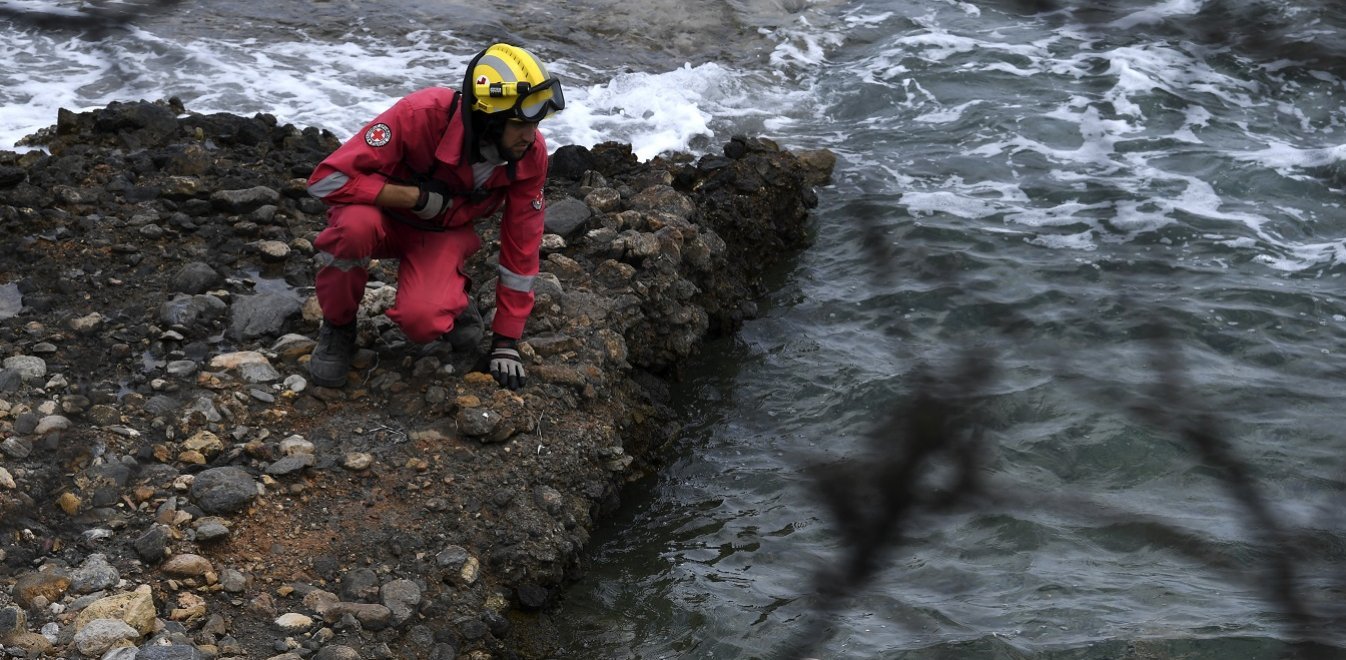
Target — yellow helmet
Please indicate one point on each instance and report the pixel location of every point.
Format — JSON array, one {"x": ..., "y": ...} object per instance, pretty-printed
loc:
[{"x": 510, "y": 80}]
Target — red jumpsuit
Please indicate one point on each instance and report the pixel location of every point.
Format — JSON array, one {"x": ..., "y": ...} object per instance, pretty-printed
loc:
[{"x": 421, "y": 135}]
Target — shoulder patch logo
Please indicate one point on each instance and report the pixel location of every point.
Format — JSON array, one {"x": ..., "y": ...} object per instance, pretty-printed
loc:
[{"x": 378, "y": 135}]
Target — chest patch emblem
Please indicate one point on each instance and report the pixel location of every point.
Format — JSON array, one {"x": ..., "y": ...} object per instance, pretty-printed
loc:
[{"x": 378, "y": 135}]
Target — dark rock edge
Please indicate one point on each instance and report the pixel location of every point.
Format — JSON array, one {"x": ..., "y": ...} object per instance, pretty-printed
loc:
[{"x": 149, "y": 409}]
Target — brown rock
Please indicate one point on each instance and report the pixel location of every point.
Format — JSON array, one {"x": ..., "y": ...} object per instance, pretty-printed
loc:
[
  {"x": 135, "y": 608},
  {"x": 187, "y": 565},
  {"x": 47, "y": 584}
]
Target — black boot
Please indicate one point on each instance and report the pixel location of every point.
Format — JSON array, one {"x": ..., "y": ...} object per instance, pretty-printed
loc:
[
  {"x": 467, "y": 329},
  {"x": 331, "y": 360}
]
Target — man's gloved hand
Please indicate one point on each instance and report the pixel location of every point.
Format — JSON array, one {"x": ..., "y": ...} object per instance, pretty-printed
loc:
[
  {"x": 505, "y": 364},
  {"x": 435, "y": 199}
]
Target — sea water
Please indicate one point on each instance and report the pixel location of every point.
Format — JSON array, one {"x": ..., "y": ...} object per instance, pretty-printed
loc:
[{"x": 1130, "y": 214}]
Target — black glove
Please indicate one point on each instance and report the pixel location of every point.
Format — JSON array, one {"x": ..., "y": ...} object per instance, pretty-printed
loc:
[
  {"x": 435, "y": 199},
  {"x": 505, "y": 364}
]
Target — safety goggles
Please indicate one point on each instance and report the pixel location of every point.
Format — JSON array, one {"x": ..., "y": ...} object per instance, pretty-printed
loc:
[{"x": 535, "y": 110}]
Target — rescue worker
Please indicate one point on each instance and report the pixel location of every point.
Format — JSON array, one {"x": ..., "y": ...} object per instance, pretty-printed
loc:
[{"x": 409, "y": 186}]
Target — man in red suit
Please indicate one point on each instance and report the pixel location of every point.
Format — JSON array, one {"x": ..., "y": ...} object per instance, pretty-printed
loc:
[{"x": 410, "y": 185}]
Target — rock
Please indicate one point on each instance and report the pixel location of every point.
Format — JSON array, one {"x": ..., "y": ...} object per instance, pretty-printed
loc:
[
  {"x": 242, "y": 201},
  {"x": 296, "y": 444},
  {"x": 187, "y": 565},
  {"x": 11, "y": 299},
  {"x": 261, "y": 315},
  {"x": 566, "y": 216},
  {"x": 273, "y": 251},
  {"x": 360, "y": 585},
  {"x": 169, "y": 652},
  {"x": 28, "y": 367},
  {"x": 50, "y": 585},
  {"x": 372, "y": 617},
  {"x": 192, "y": 312},
  {"x": 571, "y": 162},
  {"x": 205, "y": 442},
  {"x": 532, "y": 596},
  {"x": 152, "y": 546},
  {"x": 7, "y": 480},
  {"x": 12, "y": 622},
  {"x": 224, "y": 490},
  {"x": 336, "y": 653},
  {"x": 357, "y": 460},
  {"x": 233, "y": 581},
  {"x": 290, "y": 465},
  {"x": 604, "y": 200},
  {"x": 478, "y": 422},
  {"x": 211, "y": 529},
  {"x": 95, "y": 574},
  {"x": 35, "y": 645},
  {"x": 99, "y": 635},
  {"x": 195, "y": 278},
  {"x": 135, "y": 608},
  {"x": 51, "y": 423},
  {"x": 402, "y": 598},
  {"x": 87, "y": 324},
  {"x": 293, "y": 622}
]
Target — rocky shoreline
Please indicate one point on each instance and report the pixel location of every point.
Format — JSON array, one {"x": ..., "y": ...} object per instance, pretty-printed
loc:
[{"x": 171, "y": 486}]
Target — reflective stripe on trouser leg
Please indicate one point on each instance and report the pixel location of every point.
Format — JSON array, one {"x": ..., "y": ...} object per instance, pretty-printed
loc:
[
  {"x": 513, "y": 280},
  {"x": 354, "y": 233}
]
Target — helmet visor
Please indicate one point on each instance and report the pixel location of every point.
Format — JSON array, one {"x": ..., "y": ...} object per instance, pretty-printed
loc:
[{"x": 532, "y": 107}]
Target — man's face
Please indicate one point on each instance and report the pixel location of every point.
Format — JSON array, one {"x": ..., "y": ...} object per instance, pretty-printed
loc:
[{"x": 517, "y": 138}]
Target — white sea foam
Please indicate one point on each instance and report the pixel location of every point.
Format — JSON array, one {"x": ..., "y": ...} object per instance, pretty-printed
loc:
[{"x": 340, "y": 85}]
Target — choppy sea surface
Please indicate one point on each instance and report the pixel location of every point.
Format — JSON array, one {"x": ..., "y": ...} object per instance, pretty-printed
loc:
[{"x": 1130, "y": 213}]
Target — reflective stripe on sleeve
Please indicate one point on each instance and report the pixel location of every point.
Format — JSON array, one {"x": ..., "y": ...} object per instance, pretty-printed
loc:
[
  {"x": 328, "y": 184},
  {"x": 515, "y": 281}
]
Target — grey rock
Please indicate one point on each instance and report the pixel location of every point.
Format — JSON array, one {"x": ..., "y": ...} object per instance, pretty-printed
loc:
[
  {"x": 121, "y": 653},
  {"x": 372, "y": 617},
  {"x": 161, "y": 406},
  {"x": 211, "y": 529},
  {"x": 12, "y": 621},
  {"x": 182, "y": 368},
  {"x": 360, "y": 585},
  {"x": 477, "y": 422},
  {"x": 402, "y": 598},
  {"x": 99, "y": 635},
  {"x": 336, "y": 653},
  {"x": 169, "y": 652},
  {"x": 242, "y": 201},
  {"x": 195, "y": 278},
  {"x": 16, "y": 448},
  {"x": 258, "y": 372},
  {"x": 10, "y": 380},
  {"x": 224, "y": 490},
  {"x": 26, "y": 423},
  {"x": 29, "y": 367},
  {"x": 566, "y": 216},
  {"x": 95, "y": 574},
  {"x": 233, "y": 581},
  {"x": 290, "y": 465},
  {"x": 206, "y": 407},
  {"x": 452, "y": 557},
  {"x": 152, "y": 546},
  {"x": 262, "y": 315},
  {"x": 11, "y": 301},
  {"x": 191, "y": 311}
]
